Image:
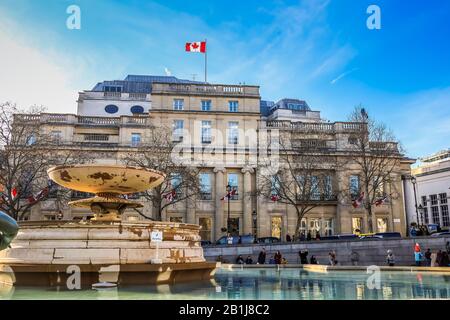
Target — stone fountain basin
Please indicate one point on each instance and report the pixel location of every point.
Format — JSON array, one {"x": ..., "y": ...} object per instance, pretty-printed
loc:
[{"x": 96, "y": 179}]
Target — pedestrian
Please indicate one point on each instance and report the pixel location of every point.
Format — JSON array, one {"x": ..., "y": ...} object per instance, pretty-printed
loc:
[
  {"x": 240, "y": 260},
  {"x": 249, "y": 260},
  {"x": 308, "y": 237},
  {"x": 354, "y": 258},
  {"x": 332, "y": 258},
  {"x": 445, "y": 261},
  {"x": 302, "y": 236},
  {"x": 413, "y": 231},
  {"x": 418, "y": 256},
  {"x": 447, "y": 247},
  {"x": 303, "y": 256},
  {"x": 390, "y": 259},
  {"x": 313, "y": 260},
  {"x": 317, "y": 236},
  {"x": 262, "y": 256},
  {"x": 219, "y": 259},
  {"x": 428, "y": 257},
  {"x": 438, "y": 258},
  {"x": 278, "y": 257},
  {"x": 288, "y": 238}
]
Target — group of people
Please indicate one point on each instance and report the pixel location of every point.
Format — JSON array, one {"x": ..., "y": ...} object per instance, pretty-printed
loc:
[
  {"x": 439, "y": 258},
  {"x": 302, "y": 237},
  {"x": 277, "y": 258}
]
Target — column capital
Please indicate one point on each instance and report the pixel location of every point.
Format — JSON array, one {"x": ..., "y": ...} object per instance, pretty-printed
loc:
[
  {"x": 247, "y": 169},
  {"x": 219, "y": 169}
]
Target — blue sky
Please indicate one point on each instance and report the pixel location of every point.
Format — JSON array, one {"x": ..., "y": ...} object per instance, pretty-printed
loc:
[{"x": 316, "y": 50}]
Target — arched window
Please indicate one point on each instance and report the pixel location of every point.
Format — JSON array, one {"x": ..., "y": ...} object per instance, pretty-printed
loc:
[
  {"x": 111, "y": 108},
  {"x": 137, "y": 109}
]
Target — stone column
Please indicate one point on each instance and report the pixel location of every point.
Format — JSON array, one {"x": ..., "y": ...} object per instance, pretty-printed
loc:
[
  {"x": 219, "y": 193},
  {"x": 247, "y": 200},
  {"x": 190, "y": 209}
]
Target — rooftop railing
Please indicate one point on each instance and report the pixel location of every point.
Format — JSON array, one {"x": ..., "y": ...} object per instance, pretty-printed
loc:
[
  {"x": 312, "y": 126},
  {"x": 207, "y": 89},
  {"x": 54, "y": 118}
]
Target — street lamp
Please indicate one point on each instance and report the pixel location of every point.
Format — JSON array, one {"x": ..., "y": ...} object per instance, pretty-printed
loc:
[
  {"x": 414, "y": 181},
  {"x": 420, "y": 209},
  {"x": 228, "y": 217}
]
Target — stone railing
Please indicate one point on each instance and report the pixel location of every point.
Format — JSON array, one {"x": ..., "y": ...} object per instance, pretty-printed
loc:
[
  {"x": 312, "y": 126},
  {"x": 208, "y": 89},
  {"x": 55, "y": 118}
]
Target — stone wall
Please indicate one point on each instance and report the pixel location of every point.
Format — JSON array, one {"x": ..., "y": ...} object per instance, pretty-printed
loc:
[{"x": 371, "y": 252}]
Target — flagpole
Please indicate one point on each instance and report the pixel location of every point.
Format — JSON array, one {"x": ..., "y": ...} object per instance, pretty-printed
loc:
[{"x": 206, "y": 52}]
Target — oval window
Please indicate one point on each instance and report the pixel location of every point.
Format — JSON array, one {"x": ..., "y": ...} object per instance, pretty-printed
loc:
[
  {"x": 137, "y": 109},
  {"x": 111, "y": 108}
]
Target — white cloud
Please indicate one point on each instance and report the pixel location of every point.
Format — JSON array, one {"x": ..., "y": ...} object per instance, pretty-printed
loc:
[
  {"x": 30, "y": 77},
  {"x": 342, "y": 75}
]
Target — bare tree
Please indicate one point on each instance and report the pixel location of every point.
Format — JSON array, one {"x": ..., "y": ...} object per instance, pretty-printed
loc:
[
  {"x": 304, "y": 177},
  {"x": 26, "y": 152},
  {"x": 375, "y": 154},
  {"x": 157, "y": 152}
]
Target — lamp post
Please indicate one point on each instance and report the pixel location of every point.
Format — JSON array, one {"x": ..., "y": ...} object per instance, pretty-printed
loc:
[
  {"x": 228, "y": 198},
  {"x": 420, "y": 209},
  {"x": 254, "y": 216},
  {"x": 414, "y": 181}
]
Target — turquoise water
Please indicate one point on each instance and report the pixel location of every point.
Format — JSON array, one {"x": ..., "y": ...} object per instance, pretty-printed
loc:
[{"x": 254, "y": 284}]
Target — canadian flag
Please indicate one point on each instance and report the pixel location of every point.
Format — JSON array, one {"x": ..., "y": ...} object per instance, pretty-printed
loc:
[
  {"x": 196, "y": 46},
  {"x": 274, "y": 197},
  {"x": 229, "y": 194},
  {"x": 357, "y": 203},
  {"x": 170, "y": 196}
]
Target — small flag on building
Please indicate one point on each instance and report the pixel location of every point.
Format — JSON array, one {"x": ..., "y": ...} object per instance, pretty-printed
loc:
[
  {"x": 170, "y": 196},
  {"x": 14, "y": 193},
  {"x": 275, "y": 197},
  {"x": 380, "y": 201},
  {"x": 229, "y": 194},
  {"x": 199, "y": 46},
  {"x": 357, "y": 202}
]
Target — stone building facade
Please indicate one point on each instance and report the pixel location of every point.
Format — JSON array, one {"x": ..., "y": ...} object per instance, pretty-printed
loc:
[{"x": 219, "y": 128}]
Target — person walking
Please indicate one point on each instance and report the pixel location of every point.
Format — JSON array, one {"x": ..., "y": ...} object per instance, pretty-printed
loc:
[
  {"x": 288, "y": 238},
  {"x": 308, "y": 237},
  {"x": 428, "y": 257},
  {"x": 354, "y": 258},
  {"x": 262, "y": 256},
  {"x": 390, "y": 259},
  {"x": 418, "y": 256},
  {"x": 278, "y": 257}
]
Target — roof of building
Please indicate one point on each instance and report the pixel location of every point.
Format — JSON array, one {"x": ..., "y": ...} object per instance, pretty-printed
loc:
[
  {"x": 139, "y": 83},
  {"x": 441, "y": 155},
  {"x": 265, "y": 106}
]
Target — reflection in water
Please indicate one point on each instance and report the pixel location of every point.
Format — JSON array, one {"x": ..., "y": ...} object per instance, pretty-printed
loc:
[{"x": 254, "y": 284}]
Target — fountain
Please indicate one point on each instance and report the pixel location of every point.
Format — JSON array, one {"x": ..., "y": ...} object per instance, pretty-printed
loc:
[{"x": 105, "y": 248}]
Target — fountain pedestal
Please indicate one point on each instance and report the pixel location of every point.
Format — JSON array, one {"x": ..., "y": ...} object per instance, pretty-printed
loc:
[{"x": 48, "y": 252}]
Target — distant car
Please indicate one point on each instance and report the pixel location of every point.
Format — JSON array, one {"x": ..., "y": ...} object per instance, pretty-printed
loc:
[
  {"x": 438, "y": 234},
  {"x": 245, "y": 239},
  {"x": 385, "y": 235},
  {"x": 268, "y": 240},
  {"x": 370, "y": 237},
  {"x": 204, "y": 243}
]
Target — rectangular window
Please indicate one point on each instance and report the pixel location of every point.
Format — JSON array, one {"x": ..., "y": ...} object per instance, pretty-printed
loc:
[
  {"x": 328, "y": 227},
  {"x": 276, "y": 225},
  {"x": 303, "y": 227},
  {"x": 135, "y": 139},
  {"x": 274, "y": 185},
  {"x": 354, "y": 187},
  {"x": 315, "y": 190},
  {"x": 233, "y": 132},
  {"x": 233, "y": 106},
  {"x": 443, "y": 198},
  {"x": 205, "y": 186},
  {"x": 206, "y": 105},
  {"x": 328, "y": 188},
  {"x": 177, "y": 130},
  {"x": 233, "y": 183},
  {"x": 434, "y": 200},
  {"x": 205, "y": 228},
  {"x": 178, "y": 104},
  {"x": 435, "y": 214},
  {"x": 206, "y": 132},
  {"x": 357, "y": 225},
  {"x": 382, "y": 224},
  {"x": 445, "y": 216},
  {"x": 56, "y": 135}
]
